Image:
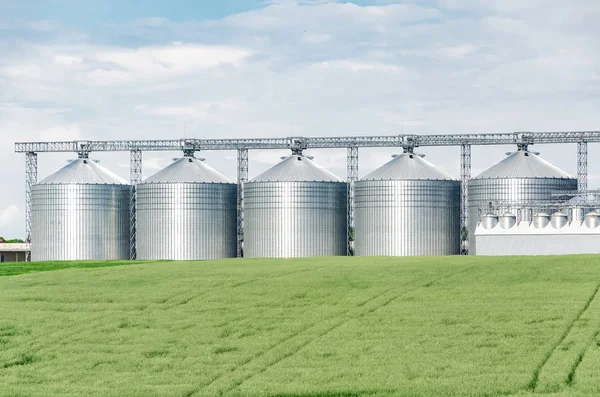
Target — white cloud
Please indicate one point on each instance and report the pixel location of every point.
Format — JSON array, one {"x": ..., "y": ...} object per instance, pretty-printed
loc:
[
  {"x": 176, "y": 58},
  {"x": 358, "y": 66},
  {"x": 61, "y": 133},
  {"x": 459, "y": 51},
  {"x": 315, "y": 38},
  {"x": 67, "y": 60},
  {"x": 196, "y": 110}
]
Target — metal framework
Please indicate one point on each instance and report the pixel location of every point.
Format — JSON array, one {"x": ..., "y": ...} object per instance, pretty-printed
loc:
[
  {"x": 465, "y": 175},
  {"x": 31, "y": 175},
  {"x": 135, "y": 177},
  {"x": 582, "y": 164},
  {"x": 465, "y": 141},
  {"x": 352, "y": 170},
  {"x": 242, "y": 175}
]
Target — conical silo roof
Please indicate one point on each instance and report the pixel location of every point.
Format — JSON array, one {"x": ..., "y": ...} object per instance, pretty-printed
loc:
[
  {"x": 408, "y": 166},
  {"x": 83, "y": 171},
  {"x": 297, "y": 168},
  {"x": 189, "y": 170},
  {"x": 523, "y": 164}
]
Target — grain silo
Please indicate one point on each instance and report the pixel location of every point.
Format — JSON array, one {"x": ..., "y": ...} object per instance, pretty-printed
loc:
[
  {"x": 407, "y": 207},
  {"x": 295, "y": 209},
  {"x": 521, "y": 178},
  {"x": 81, "y": 212},
  {"x": 187, "y": 211}
]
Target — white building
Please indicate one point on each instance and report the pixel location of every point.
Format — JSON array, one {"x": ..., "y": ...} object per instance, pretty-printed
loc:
[
  {"x": 544, "y": 235},
  {"x": 13, "y": 252}
]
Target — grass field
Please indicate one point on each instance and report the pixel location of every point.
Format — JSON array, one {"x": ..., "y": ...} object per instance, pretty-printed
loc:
[{"x": 450, "y": 326}]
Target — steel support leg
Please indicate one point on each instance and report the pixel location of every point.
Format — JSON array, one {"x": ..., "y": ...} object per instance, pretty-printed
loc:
[
  {"x": 465, "y": 175},
  {"x": 242, "y": 174},
  {"x": 31, "y": 175},
  {"x": 352, "y": 177},
  {"x": 582, "y": 166},
  {"x": 135, "y": 176}
]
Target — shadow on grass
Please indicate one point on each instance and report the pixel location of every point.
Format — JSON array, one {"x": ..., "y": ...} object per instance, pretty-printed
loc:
[{"x": 16, "y": 268}]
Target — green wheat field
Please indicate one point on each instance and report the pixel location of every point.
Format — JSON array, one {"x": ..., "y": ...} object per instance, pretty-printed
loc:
[{"x": 444, "y": 326}]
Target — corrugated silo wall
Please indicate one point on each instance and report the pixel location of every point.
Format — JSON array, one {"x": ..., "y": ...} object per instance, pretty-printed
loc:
[
  {"x": 80, "y": 222},
  {"x": 295, "y": 219},
  {"x": 506, "y": 190},
  {"x": 404, "y": 218},
  {"x": 186, "y": 221}
]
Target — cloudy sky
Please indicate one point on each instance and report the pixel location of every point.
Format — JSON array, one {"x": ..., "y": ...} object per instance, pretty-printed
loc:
[{"x": 113, "y": 69}]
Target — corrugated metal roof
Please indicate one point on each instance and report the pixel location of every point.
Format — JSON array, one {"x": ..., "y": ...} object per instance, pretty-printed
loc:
[
  {"x": 408, "y": 166},
  {"x": 189, "y": 170},
  {"x": 297, "y": 169},
  {"x": 83, "y": 171},
  {"x": 523, "y": 164}
]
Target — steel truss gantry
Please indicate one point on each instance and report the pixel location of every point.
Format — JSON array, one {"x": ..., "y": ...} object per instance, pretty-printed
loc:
[
  {"x": 242, "y": 176},
  {"x": 31, "y": 175},
  {"x": 135, "y": 177},
  {"x": 465, "y": 141},
  {"x": 352, "y": 174}
]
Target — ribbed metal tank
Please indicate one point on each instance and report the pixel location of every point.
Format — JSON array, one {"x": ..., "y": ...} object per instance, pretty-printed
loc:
[
  {"x": 187, "y": 211},
  {"x": 407, "y": 207},
  {"x": 295, "y": 209},
  {"x": 81, "y": 212},
  {"x": 507, "y": 186}
]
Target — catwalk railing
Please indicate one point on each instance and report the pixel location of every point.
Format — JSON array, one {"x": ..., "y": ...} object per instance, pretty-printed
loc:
[{"x": 465, "y": 141}]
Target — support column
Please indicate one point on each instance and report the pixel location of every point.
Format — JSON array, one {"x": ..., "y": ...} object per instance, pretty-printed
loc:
[
  {"x": 135, "y": 177},
  {"x": 582, "y": 165},
  {"x": 352, "y": 177},
  {"x": 31, "y": 176},
  {"x": 465, "y": 175},
  {"x": 242, "y": 175}
]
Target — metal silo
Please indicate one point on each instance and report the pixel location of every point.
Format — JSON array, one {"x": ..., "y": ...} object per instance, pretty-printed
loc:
[
  {"x": 407, "y": 207},
  {"x": 81, "y": 212},
  {"x": 295, "y": 209},
  {"x": 187, "y": 211},
  {"x": 522, "y": 177}
]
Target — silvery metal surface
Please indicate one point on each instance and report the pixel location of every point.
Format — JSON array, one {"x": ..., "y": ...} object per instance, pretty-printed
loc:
[
  {"x": 559, "y": 220},
  {"x": 510, "y": 184},
  {"x": 489, "y": 221},
  {"x": 407, "y": 207},
  {"x": 83, "y": 171},
  {"x": 297, "y": 168},
  {"x": 80, "y": 213},
  {"x": 507, "y": 220},
  {"x": 541, "y": 220},
  {"x": 295, "y": 209},
  {"x": 408, "y": 166},
  {"x": 523, "y": 164},
  {"x": 592, "y": 220},
  {"x": 189, "y": 170},
  {"x": 188, "y": 211}
]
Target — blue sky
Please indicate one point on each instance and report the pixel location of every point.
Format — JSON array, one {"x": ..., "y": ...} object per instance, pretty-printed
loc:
[
  {"x": 90, "y": 13},
  {"x": 78, "y": 70}
]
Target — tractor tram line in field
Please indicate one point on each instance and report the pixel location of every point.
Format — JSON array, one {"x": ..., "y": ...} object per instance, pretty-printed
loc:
[
  {"x": 172, "y": 301},
  {"x": 557, "y": 371},
  {"x": 305, "y": 336},
  {"x": 453, "y": 327}
]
